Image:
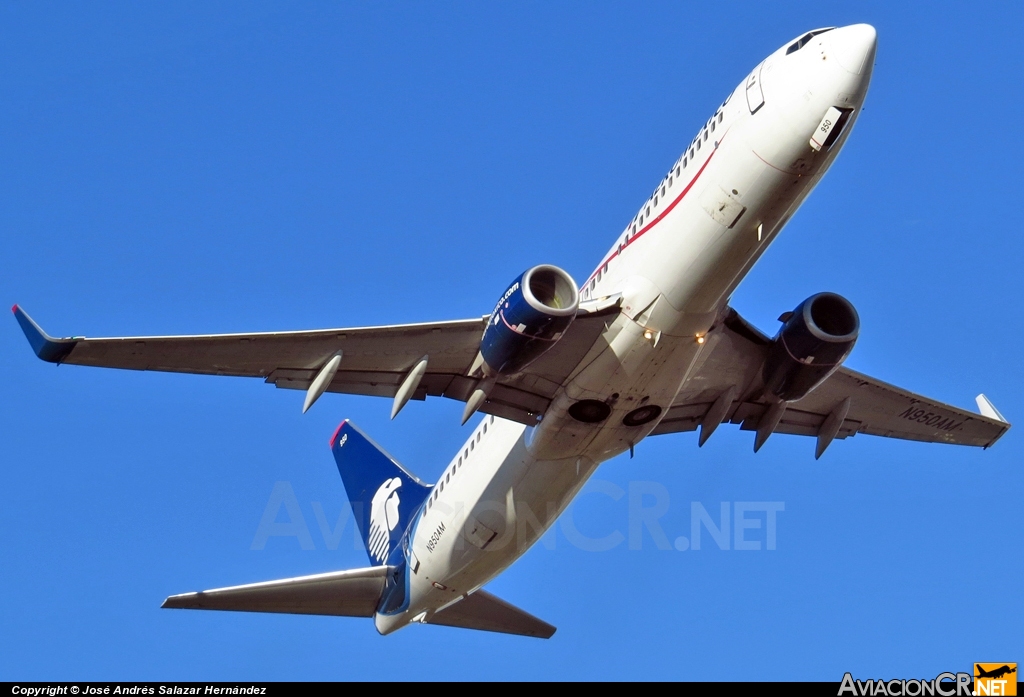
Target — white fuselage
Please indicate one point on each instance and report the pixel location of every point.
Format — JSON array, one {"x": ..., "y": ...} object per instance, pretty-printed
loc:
[{"x": 675, "y": 267}]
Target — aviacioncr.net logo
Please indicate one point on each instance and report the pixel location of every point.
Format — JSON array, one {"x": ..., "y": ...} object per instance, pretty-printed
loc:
[
  {"x": 995, "y": 679},
  {"x": 943, "y": 685}
]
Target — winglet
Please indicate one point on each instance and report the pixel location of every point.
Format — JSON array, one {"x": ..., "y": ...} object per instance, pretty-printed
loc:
[
  {"x": 988, "y": 409},
  {"x": 45, "y": 346}
]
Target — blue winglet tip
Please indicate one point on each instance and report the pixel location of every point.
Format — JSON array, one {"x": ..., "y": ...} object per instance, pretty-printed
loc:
[{"x": 44, "y": 345}]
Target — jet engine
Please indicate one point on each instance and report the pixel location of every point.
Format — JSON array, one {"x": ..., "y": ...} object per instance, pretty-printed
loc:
[
  {"x": 814, "y": 340},
  {"x": 529, "y": 318}
]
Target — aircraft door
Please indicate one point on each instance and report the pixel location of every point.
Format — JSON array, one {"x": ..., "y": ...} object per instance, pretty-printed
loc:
[{"x": 755, "y": 95}]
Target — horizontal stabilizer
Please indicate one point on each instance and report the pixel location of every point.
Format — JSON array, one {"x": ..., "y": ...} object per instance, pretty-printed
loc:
[
  {"x": 353, "y": 593},
  {"x": 486, "y": 612}
]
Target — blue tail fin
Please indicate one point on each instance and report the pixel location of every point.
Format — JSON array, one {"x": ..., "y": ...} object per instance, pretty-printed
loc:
[{"x": 384, "y": 496}]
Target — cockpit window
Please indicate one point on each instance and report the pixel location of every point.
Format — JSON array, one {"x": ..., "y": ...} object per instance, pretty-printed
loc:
[{"x": 805, "y": 39}]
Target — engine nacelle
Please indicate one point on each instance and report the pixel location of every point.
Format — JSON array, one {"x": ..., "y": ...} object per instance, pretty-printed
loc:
[
  {"x": 529, "y": 318},
  {"x": 814, "y": 340}
]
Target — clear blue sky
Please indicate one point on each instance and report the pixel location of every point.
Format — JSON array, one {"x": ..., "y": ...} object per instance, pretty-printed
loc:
[{"x": 191, "y": 168}]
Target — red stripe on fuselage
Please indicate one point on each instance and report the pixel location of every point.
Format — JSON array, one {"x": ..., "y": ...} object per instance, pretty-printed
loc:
[{"x": 668, "y": 209}]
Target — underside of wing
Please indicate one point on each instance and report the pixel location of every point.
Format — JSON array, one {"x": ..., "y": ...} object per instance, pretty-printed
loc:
[
  {"x": 270, "y": 355},
  {"x": 845, "y": 404},
  {"x": 375, "y": 361},
  {"x": 353, "y": 593}
]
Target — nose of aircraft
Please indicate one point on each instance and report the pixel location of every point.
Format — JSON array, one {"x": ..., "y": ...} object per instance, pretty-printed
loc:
[{"x": 854, "y": 47}]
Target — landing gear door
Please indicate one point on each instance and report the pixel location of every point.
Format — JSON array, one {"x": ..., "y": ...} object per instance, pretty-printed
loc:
[
  {"x": 830, "y": 128},
  {"x": 755, "y": 95}
]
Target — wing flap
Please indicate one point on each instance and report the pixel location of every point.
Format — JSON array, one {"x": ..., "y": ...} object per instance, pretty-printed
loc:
[
  {"x": 488, "y": 613},
  {"x": 352, "y": 593}
]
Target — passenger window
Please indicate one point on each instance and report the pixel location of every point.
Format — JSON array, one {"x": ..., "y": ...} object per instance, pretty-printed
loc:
[
  {"x": 677, "y": 166},
  {"x": 698, "y": 146},
  {"x": 478, "y": 436},
  {"x": 691, "y": 152},
  {"x": 720, "y": 118},
  {"x": 648, "y": 210},
  {"x": 460, "y": 461},
  {"x": 655, "y": 199},
  {"x": 662, "y": 189},
  {"x": 485, "y": 427},
  {"x": 712, "y": 126},
  {"x": 467, "y": 453},
  {"x": 447, "y": 477},
  {"x": 705, "y": 136},
  {"x": 471, "y": 445},
  {"x": 684, "y": 162}
]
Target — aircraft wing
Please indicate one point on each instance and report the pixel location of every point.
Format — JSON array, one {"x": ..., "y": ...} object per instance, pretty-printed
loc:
[
  {"x": 735, "y": 357},
  {"x": 375, "y": 360}
]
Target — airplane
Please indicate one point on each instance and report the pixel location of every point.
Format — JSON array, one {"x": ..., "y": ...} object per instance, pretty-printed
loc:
[
  {"x": 568, "y": 376},
  {"x": 995, "y": 673}
]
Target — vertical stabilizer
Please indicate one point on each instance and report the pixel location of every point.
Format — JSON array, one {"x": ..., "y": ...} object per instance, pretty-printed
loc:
[{"x": 384, "y": 496}]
